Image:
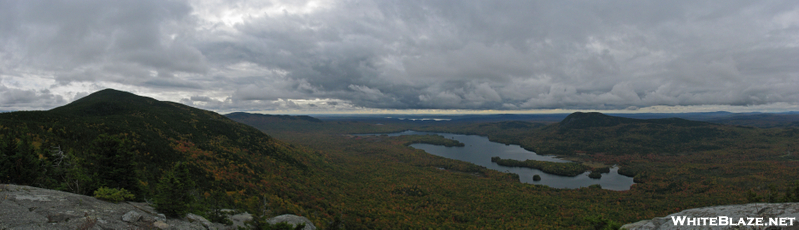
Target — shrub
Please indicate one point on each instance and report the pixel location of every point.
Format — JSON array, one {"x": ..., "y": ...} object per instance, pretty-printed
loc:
[
  {"x": 262, "y": 224},
  {"x": 113, "y": 194},
  {"x": 602, "y": 223}
]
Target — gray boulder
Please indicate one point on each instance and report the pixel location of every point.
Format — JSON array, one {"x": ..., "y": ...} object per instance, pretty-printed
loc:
[
  {"x": 131, "y": 217},
  {"x": 160, "y": 216},
  {"x": 198, "y": 219},
  {"x": 240, "y": 219},
  {"x": 161, "y": 225},
  {"x": 294, "y": 220}
]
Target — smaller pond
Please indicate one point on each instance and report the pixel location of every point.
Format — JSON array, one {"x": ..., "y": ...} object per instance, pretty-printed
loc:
[{"x": 479, "y": 150}]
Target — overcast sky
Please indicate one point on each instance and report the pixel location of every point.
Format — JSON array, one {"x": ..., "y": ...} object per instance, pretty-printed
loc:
[{"x": 404, "y": 55}]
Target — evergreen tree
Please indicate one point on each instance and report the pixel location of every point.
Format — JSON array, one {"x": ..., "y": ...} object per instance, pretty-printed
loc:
[
  {"x": 602, "y": 223},
  {"x": 54, "y": 166},
  {"x": 772, "y": 194},
  {"x": 110, "y": 161},
  {"x": 25, "y": 165},
  {"x": 8, "y": 147},
  {"x": 76, "y": 178},
  {"x": 173, "y": 196},
  {"x": 752, "y": 197},
  {"x": 795, "y": 192}
]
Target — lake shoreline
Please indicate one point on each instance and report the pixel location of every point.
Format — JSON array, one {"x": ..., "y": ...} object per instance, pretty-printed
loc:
[{"x": 478, "y": 150}]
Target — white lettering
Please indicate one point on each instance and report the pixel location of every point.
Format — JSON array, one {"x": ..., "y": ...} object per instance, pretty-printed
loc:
[
  {"x": 678, "y": 219},
  {"x": 728, "y": 221},
  {"x": 692, "y": 221},
  {"x": 741, "y": 221},
  {"x": 724, "y": 220}
]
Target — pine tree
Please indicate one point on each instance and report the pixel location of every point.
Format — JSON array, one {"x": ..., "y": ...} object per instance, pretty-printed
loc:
[
  {"x": 111, "y": 163},
  {"x": 752, "y": 197},
  {"x": 795, "y": 192},
  {"x": 25, "y": 165},
  {"x": 173, "y": 196},
  {"x": 76, "y": 178},
  {"x": 8, "y": 147}
]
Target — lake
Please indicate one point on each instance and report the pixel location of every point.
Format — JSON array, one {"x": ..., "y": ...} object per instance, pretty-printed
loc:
[{"x": 479, "y": 150}]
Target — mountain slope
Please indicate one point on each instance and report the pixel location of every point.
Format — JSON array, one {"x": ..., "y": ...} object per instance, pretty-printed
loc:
[{"x": 115, "y": 127}]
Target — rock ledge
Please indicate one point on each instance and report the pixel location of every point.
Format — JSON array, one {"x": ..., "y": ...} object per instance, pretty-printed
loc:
[{"x": 25, "y": 207}]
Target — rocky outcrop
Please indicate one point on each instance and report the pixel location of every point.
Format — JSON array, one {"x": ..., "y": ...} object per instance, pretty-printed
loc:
[
  {"x": 293, "y": 220},
  {"x": 240, "y": 219},
  {"x": 731, "y": 214},
  {"x": 25, "y": 207}
]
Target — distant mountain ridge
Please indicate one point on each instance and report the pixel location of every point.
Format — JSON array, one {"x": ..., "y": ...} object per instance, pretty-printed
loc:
[
  {"x": 580, "y": 120},
  {"x": 266, "y": 122},
  {"x": 244, "y": 116},
  {"x": 720, "y": 117}
]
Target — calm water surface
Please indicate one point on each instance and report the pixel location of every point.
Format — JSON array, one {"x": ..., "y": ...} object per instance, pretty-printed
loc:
[{"x": 479, "y": 150}]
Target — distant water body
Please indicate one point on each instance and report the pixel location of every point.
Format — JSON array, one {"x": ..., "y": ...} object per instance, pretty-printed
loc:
[{"x": 479, "y": 150}]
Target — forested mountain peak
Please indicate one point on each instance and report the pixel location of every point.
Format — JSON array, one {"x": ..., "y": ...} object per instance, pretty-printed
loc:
[{"x": 114, "y": 102}]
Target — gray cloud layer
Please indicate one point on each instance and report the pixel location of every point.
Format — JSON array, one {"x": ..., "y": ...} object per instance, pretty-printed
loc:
[{"x": 332, "y": 55}]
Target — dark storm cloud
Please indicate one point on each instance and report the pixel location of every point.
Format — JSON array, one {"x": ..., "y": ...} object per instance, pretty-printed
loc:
[
  {"x": 412, "y": 54},
  {"x": 90, "y": 40},
  {"x": 16, "y": 99}
]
